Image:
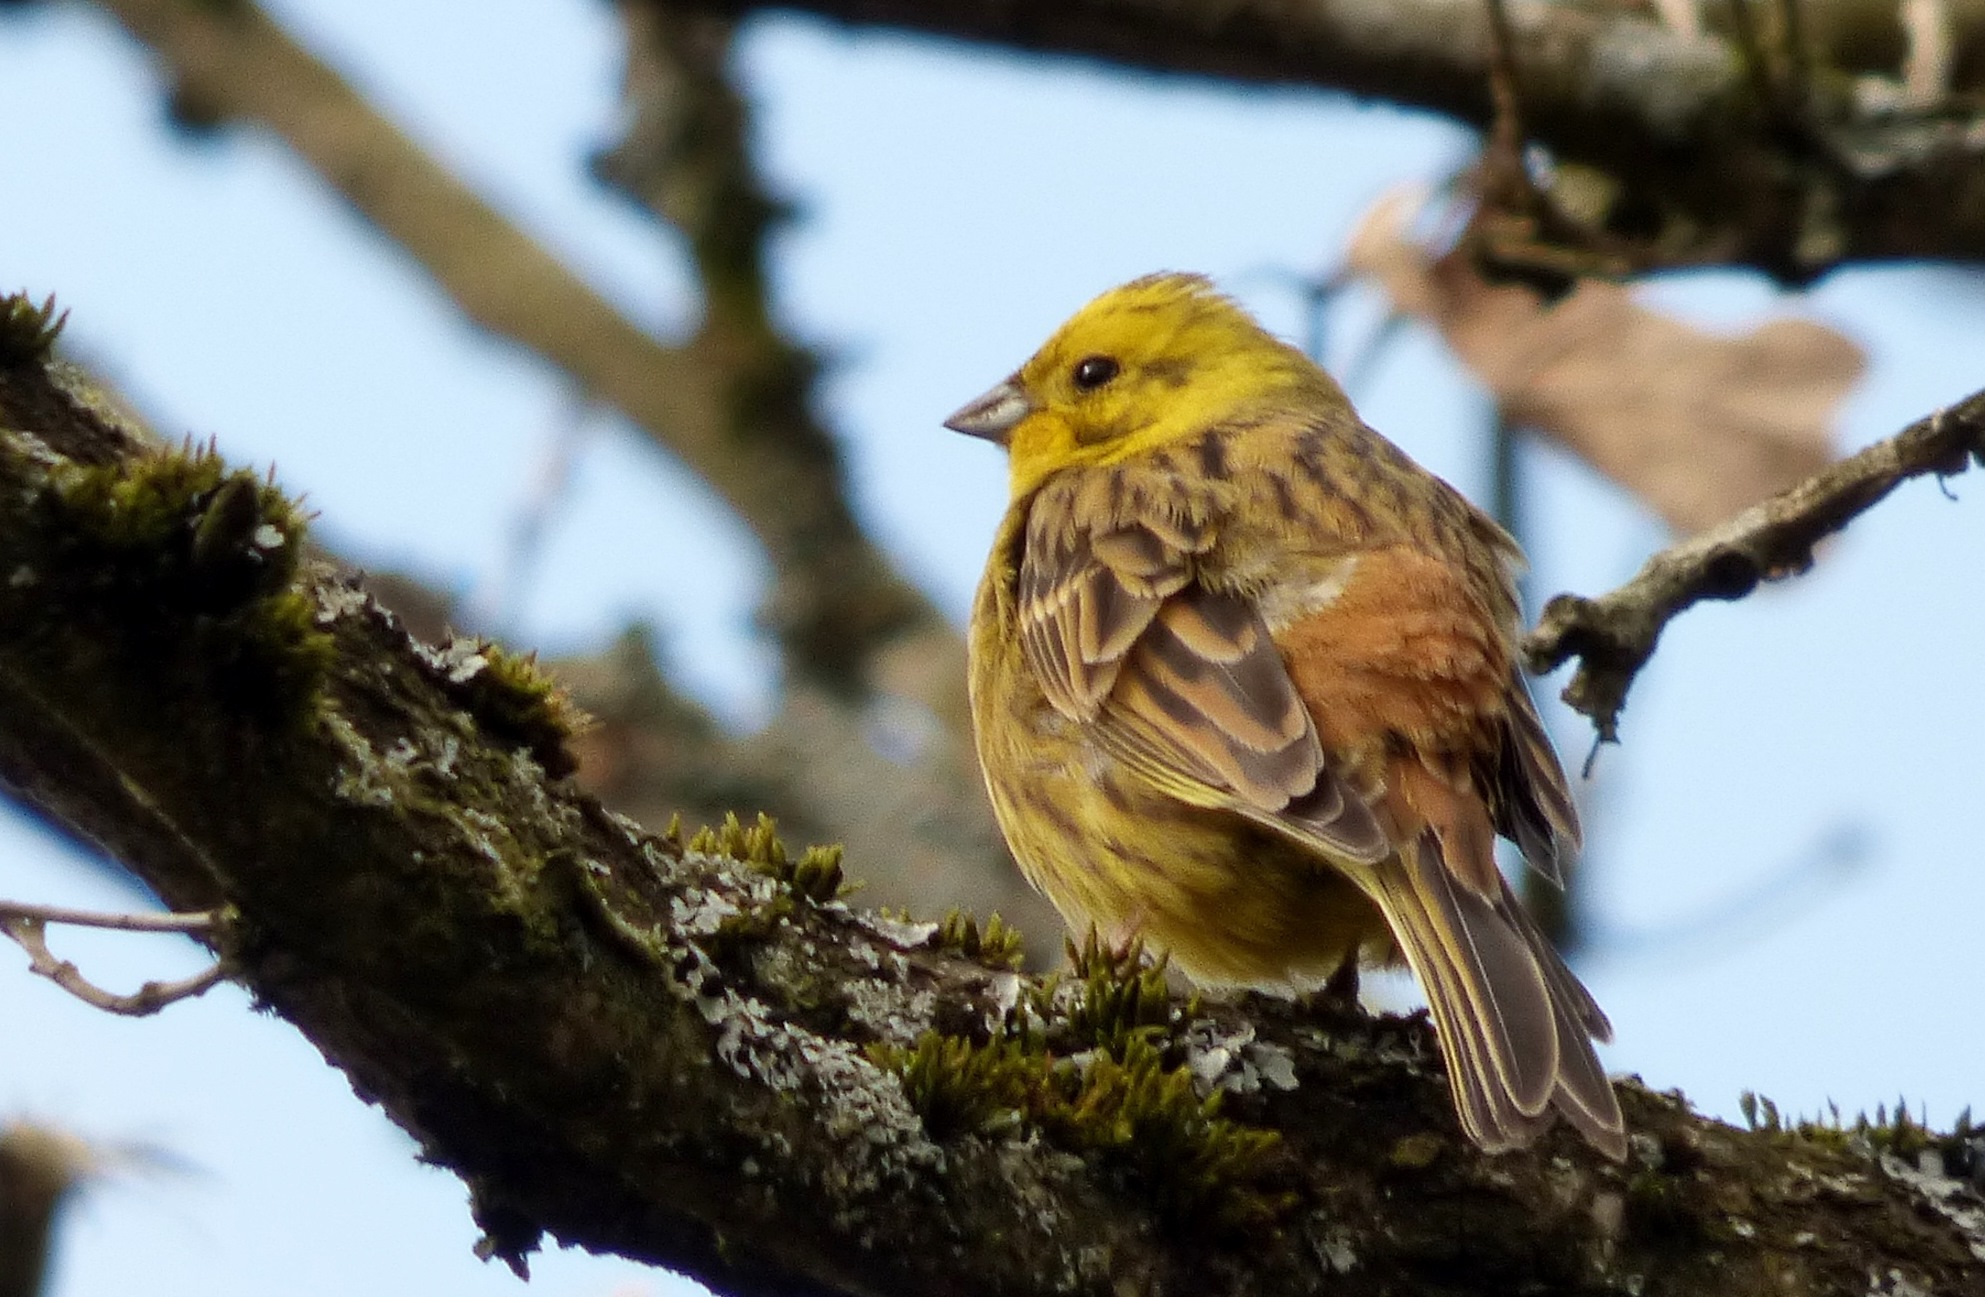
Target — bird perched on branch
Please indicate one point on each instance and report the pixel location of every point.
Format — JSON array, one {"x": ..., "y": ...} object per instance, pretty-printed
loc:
[{"x": 1243, "y": 679}]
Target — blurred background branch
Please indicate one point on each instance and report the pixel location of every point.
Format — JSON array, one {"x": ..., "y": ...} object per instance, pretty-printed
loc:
[
  {"x": 869, "y": 746},
  {"x": 1684, "y": 158}
]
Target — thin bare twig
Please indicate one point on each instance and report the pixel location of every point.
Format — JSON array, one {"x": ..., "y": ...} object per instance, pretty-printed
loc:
[
  {"x": 27, "y": 926},
  {"x": 1615, "y": 634},
  {"x": 192, "y": 924}
]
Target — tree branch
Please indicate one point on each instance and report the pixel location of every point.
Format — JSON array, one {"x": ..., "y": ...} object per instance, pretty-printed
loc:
[
  {"x": 892, "y": 775},
  {"x": 1615, "y": 634},
  {"x": 865, "y": 652},
  {"x": 689, "y": 1053},
  {"x": 838, "y": 597},
  {"x": 1708, "y": 173}
]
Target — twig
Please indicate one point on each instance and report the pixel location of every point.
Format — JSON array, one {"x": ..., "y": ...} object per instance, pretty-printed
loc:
[
  {"x": 1520, "y": 225},
  {"x": 192, "y": 924},
  {"x": 549, "y": 491},
  {"x": 1615, "y": 634},
  {"x": 27, "y": 926},
  {"x": 1926, "y": 68}
]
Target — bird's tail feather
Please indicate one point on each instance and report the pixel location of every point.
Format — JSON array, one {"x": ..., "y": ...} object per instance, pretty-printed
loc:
[{"x": 1514, "y": 1025}]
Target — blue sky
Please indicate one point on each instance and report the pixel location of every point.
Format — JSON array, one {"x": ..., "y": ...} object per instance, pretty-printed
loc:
[{"x": 956, "y": 206}]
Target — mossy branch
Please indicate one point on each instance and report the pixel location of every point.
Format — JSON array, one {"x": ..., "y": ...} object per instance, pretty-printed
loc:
[
  {"x": 669, "y": 1049},
  {"x": 864, "y": 650},
  {"x": 1614, "y": 635}
]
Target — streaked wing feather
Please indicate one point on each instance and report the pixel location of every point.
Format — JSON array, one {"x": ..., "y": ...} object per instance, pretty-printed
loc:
[
  {"x": 1205, "y": 690},
  {"x": 1182, "y": 683}
]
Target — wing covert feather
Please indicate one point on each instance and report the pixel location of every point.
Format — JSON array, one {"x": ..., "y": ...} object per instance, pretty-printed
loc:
[{"x": 1180, "y": 682}]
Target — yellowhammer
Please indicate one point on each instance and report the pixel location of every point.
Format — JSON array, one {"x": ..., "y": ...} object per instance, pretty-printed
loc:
[{"x": 1243, "y": 677}]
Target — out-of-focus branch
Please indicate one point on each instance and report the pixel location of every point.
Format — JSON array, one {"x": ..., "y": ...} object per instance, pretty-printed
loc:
[
  {"x": 891, "y": 774},
  {"x": 1699, "y": 168},
  {"x": 870, "y": 748},
  {"x": 687, "y": 158},
  {"x": 838, "y": 597},
  {"x": 691, "y": 1054},
  {"x": 1615, "y": 634}
]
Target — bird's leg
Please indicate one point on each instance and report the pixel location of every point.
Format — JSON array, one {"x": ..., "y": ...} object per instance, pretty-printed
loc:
[{"x": 1341, "y": 988}]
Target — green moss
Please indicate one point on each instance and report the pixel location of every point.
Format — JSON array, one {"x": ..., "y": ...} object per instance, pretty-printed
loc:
[
  {"x": 1134, "y": 1113},
  {"x": 997, "y": 945},
  {"x": 816, "y": 875},
  {"x": 1200, "y": 1167},
  {"x": 517, "y": 700},
  {"x": 27, "y": 331},
  {"x": 1121, "y": 995},
  {"x": 1905, "y": 1135},
  {"x": 1092, "y": 1069},
  {"x": 1760, "y": 1113},
  {"x": 962, "y": 1088},
  {"x": 185, "y": 566},
  {"x": 755, "y": 923},
  {"x": 1416, "y": 1152}
]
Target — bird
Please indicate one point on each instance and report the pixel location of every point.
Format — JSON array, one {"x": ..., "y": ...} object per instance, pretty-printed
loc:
[{"x": 1244, "y": 687}]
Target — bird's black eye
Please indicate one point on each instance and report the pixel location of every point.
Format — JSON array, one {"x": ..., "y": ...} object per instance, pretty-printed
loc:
[{"x": 1091, "y": 372}]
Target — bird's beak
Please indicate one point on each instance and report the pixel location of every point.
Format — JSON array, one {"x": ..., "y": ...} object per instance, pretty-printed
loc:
[{"x": 994, "y": 415}]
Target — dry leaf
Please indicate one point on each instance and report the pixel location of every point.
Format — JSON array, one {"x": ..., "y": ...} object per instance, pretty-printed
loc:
[{"x": 1696, "y": 424}]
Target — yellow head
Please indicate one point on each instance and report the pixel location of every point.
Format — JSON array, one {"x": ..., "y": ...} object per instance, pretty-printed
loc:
[{"x": 1157, "y": 360}]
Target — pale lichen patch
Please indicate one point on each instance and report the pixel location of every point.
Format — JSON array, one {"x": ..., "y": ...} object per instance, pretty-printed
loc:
[
  {"x": 361, "y": 777},
  {"x": 335, "y": 601},
  {"x": 888, "y": 1013},
  {"x": 1335, "y": 1252},
  {"x": 901, "y": 933},
  {"x": 461, "y": 660},
  {"x": 1950, "y": 1198},
  {"x": 1230, "y": 1058},
  {"x": 700, "y": 913}
]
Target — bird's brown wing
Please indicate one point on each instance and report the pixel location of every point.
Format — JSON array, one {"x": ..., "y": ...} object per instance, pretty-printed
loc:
[
  {"x": 1181, "y": 683},
  {"x": 1409, "y": 666}
]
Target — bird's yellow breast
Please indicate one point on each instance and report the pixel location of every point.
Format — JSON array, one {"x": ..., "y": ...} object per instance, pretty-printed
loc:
[{"x": 1234, "y": 904}]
